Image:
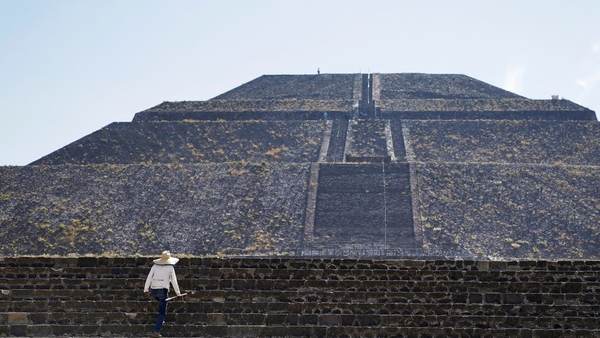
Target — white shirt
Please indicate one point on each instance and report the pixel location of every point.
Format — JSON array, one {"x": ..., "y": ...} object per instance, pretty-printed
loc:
[{"x": 160, "y": 276}]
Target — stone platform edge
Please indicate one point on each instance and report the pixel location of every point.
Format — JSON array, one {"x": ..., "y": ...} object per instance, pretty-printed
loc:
[{"x": 435, "y": 263}]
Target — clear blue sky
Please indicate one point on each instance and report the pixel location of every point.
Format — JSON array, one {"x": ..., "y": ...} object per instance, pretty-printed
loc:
[{"x": 68, "y": 68}]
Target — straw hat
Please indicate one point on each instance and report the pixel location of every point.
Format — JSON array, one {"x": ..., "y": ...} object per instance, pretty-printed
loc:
[{"x": 166, "y": 259}]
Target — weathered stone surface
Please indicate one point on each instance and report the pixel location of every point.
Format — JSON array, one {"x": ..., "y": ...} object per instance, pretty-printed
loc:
[
  {"x": 91, "y": 296},
  {"x": 266, "y": 105},
  {"x": 17, "y": 318},
  {"x": 285, "y": 109},
  {"x": 367, "y": 142},
  {"x": 318, "y": 87},
  {"x": 509, "y": 210},
  {"x": 193, "y": 142},
  {"x": 398, "y": 141},
  {"x": 543, "y": 142},
  {"x": 481, "y": 105},
  {"x": 578, "y": 115},
  {"x": 357, "y": 204},
  {"x": 253, "y": 105},
  {"x": 337, "y": 141},
  {"x": 436, "y": 86},
  {"x": 239, "y": 174},
  {"x": 196, "y": 209}
]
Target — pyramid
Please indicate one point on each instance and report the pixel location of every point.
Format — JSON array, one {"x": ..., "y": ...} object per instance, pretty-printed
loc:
[{"x": 338, "y": 165}]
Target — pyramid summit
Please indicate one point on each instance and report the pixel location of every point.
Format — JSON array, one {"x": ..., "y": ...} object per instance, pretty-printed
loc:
[{"x": 342, "y": 165}]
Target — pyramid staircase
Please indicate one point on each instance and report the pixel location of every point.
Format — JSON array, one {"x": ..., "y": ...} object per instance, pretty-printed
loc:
[
  {"x": 352, "y": 196},
  {"x": 363, "y": 203},
  {"x": 251, "y": 297}
]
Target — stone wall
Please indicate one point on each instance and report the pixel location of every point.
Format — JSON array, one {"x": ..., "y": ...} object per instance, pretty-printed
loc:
[
  {"x": 258, "y": 297},
  {"x": 337, "y": 141},
  {"x": 233, "y": 208},
  {"x": 153, "y": 116},
  {"x": 319, "y": 87},
  {"x": 187, "y": 142},
  {"x": 483, "y": 109},
  {"x": 499, "y": 105},
  {"x": 436, "y": 86},
  {"x": 253, "y": 105},
  {"x": 509, "y": 210},
  {"x": 504, "y": 141},
  {"x": 556, "y": 115},
  {"x": 286, "y": 109},
  {"x": 398, "y": 141},
  {"x": 367, "y": 141}
]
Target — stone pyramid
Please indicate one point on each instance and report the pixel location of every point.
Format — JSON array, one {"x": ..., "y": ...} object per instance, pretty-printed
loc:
[{"x": 321, "y": 165}]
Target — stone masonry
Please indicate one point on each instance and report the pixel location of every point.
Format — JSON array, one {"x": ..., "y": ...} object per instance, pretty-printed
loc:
[
  {"x": 302, "y": 297},
  {"x": 345, "y": 165},
  {"x": 329, "y": 205}
]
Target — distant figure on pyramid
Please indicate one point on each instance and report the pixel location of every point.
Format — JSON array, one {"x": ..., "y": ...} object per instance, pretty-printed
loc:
[
  {"x": 157, "y": 284},
  {"x": 318, "y": 71}
]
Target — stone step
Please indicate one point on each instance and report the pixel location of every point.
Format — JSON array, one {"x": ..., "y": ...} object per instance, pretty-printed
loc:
[
  {"x": 193, "y": 306},
  {"x": 398, "y": 140},
  {"x": 372, "y": 182},
  {"x": 353, "y": 168},
  {"x": 184, "y": 273},
  {"x": 294, "y": 279},
  {"x": 360, "y": 203},
  {"x": 317, "y": 295},
  {"x": 359, "y": 270},
  {"x": 281, "y": 330},
  {"x": 327, "y": 283},
  {"x": 342, "y": 201},
  {"x": 299, "y": 263},
  {"x": 367, "y": 140},
  {"x": 322, "y": 247},
  {"x": 358, "y": 225},
  {"x": 400, "y": 217},
  {"x": 181, "y": 319},
  {"x": 367, "y": 239},
  {"x": 339, "y": 129},
  {"x": 307, "y": 297}
]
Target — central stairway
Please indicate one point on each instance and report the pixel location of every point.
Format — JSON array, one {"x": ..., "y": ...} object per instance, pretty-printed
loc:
[
  {"x": 364, "y": 206},
  {"x": 241, "y": 297}
]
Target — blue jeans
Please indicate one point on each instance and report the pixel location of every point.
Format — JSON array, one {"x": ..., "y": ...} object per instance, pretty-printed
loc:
[{"x": 161, "y": 296}]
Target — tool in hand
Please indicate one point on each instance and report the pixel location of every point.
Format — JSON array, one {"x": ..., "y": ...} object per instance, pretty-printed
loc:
[{"x": 171, "y": 298}]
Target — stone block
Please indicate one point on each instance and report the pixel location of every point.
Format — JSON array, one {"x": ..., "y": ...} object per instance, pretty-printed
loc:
[{"x": 17, "y": 318}]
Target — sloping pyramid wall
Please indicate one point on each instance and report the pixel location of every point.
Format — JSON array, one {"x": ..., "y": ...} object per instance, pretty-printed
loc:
[{"x": 263, "y": 169}]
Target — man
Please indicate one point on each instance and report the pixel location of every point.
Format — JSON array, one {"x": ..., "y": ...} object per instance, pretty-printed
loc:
[{"x": 157, "y": 283}]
